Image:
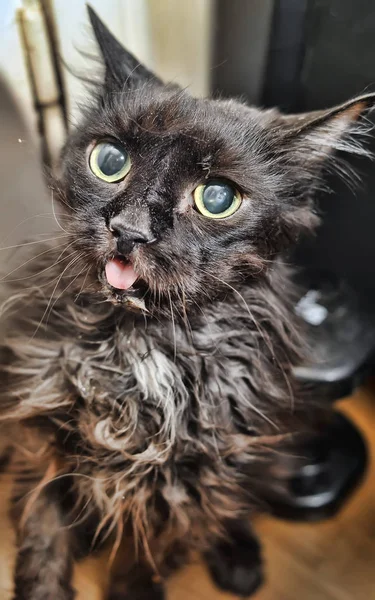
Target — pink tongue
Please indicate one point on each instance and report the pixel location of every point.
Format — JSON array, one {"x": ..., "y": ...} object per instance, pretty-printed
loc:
[{"x": 120, "y": 275}]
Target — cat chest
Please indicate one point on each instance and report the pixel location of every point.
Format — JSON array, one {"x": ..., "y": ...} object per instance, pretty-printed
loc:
[{"x": 153, "y": 406}]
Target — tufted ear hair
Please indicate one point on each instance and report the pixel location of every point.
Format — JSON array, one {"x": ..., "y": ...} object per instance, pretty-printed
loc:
[
  {"x": 319, "y": 134},
  {"x": 122, "y": 69}
]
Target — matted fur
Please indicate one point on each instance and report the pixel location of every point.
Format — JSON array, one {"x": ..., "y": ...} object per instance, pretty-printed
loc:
[{"x": 163, "y": 425}]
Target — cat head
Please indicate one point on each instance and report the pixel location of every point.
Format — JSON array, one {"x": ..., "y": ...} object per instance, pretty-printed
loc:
[{"x": 171, "y": 198}]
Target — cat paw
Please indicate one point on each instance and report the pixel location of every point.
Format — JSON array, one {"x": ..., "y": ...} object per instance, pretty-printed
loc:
[
  {"x": 239, "y": 580},
  {"x": 236, "y": 569}
]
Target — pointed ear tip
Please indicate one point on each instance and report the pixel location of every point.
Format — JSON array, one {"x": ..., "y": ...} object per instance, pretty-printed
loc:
[
  {"x": 357, "y": 107},
  {"x": 93, "y": 16},
  {"x": 363, "y": 103},
  {"x": 355, "y": 111}
]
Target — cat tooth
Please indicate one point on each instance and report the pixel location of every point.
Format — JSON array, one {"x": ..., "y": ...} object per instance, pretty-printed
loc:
[{"x": 137, "y": 303}]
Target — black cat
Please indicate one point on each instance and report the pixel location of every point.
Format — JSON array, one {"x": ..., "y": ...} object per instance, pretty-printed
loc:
[{"x": 147, "y": 363}]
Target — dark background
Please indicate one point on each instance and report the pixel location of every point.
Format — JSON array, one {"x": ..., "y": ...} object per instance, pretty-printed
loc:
[{"x": 304, "y": 55}]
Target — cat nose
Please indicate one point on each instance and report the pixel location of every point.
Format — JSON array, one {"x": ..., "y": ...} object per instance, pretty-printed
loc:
[{"x": 127, "y": 237}]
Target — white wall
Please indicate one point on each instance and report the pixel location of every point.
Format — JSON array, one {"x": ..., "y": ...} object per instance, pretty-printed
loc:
[
  {"x": 169, "y": 36},
  {"x": 12, "y": 62}
]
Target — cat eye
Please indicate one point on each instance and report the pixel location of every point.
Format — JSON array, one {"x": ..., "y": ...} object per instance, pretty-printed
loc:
[
  {"x": 217, "y": 199},
  {"x": 110, "y": 161}
]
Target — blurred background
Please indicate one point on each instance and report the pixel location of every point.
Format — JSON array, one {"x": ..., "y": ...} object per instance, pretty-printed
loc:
[{"x": 298, "y": 55}]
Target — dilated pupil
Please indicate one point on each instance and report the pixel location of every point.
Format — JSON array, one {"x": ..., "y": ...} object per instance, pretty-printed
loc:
[
  {"x": 217, "y": 197},
  {"x": 111, "y": 159}
]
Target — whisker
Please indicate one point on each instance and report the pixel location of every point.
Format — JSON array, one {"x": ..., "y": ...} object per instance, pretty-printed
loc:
[
  {"x": 264, "y": 336},
  {"x": 173, "y": 328},
  {"x": 188, "y": 328},
  {"x": 43, "y": 270},
  {"x": 75, "y": 259},
  {"x": 260, "y": 331},
  {"x": 4, "y": 278},
  {"x": 67, "y": 205},
  {"x": 34, "y": 242},
  {"x": 55, "y": 215},
  {"x": 68, "y": 286},
  {"x": 82, "y": 286},
  {"x": 39, "y": 216}
]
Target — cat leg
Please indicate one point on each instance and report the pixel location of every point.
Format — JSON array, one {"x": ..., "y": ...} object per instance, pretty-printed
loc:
[
  {"x": 141, "y": 582},
  {"x": 138, "y": 584},
  {"x": 235, "y": 563},
  {"x": 44, "y": 561}
]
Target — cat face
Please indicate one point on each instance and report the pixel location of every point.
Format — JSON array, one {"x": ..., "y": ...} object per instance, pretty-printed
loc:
[{"x": 178, "y": 199}]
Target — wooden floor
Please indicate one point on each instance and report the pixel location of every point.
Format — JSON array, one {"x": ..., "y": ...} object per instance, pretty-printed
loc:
[{"x": 334, "y": 560}]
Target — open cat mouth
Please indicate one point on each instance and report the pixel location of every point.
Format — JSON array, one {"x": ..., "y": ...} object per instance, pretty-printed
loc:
[
  {"x": 120, "y": 273},
  {"x": 123, "y": 286}
]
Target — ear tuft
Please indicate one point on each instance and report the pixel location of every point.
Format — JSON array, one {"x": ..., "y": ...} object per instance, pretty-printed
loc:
[
  {"x": 354, "y": 112},
  {"x": 322, "y": 133}
]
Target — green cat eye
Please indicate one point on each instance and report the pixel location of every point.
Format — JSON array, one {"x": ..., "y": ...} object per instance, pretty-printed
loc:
[
  {"x": 217, "y": 199},
  {"x": 110, "y": 161}
]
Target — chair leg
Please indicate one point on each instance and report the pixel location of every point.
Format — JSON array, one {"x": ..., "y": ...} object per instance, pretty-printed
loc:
[{"x": 329, "y": 468}]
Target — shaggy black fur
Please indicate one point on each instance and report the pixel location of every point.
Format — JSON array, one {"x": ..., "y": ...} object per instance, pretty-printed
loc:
[{"x": 156, "y": 415}]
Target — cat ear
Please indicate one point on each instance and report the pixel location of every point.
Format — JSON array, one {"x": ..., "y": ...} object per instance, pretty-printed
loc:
[
  {"x": 121, "y": 67},
  {"x": 316, "y": 136}
]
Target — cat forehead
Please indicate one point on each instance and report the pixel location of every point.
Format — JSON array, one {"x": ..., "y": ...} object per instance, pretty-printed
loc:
[
  {"x": 174, "y": 139},
  {"x": 172, "y": 114}
]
